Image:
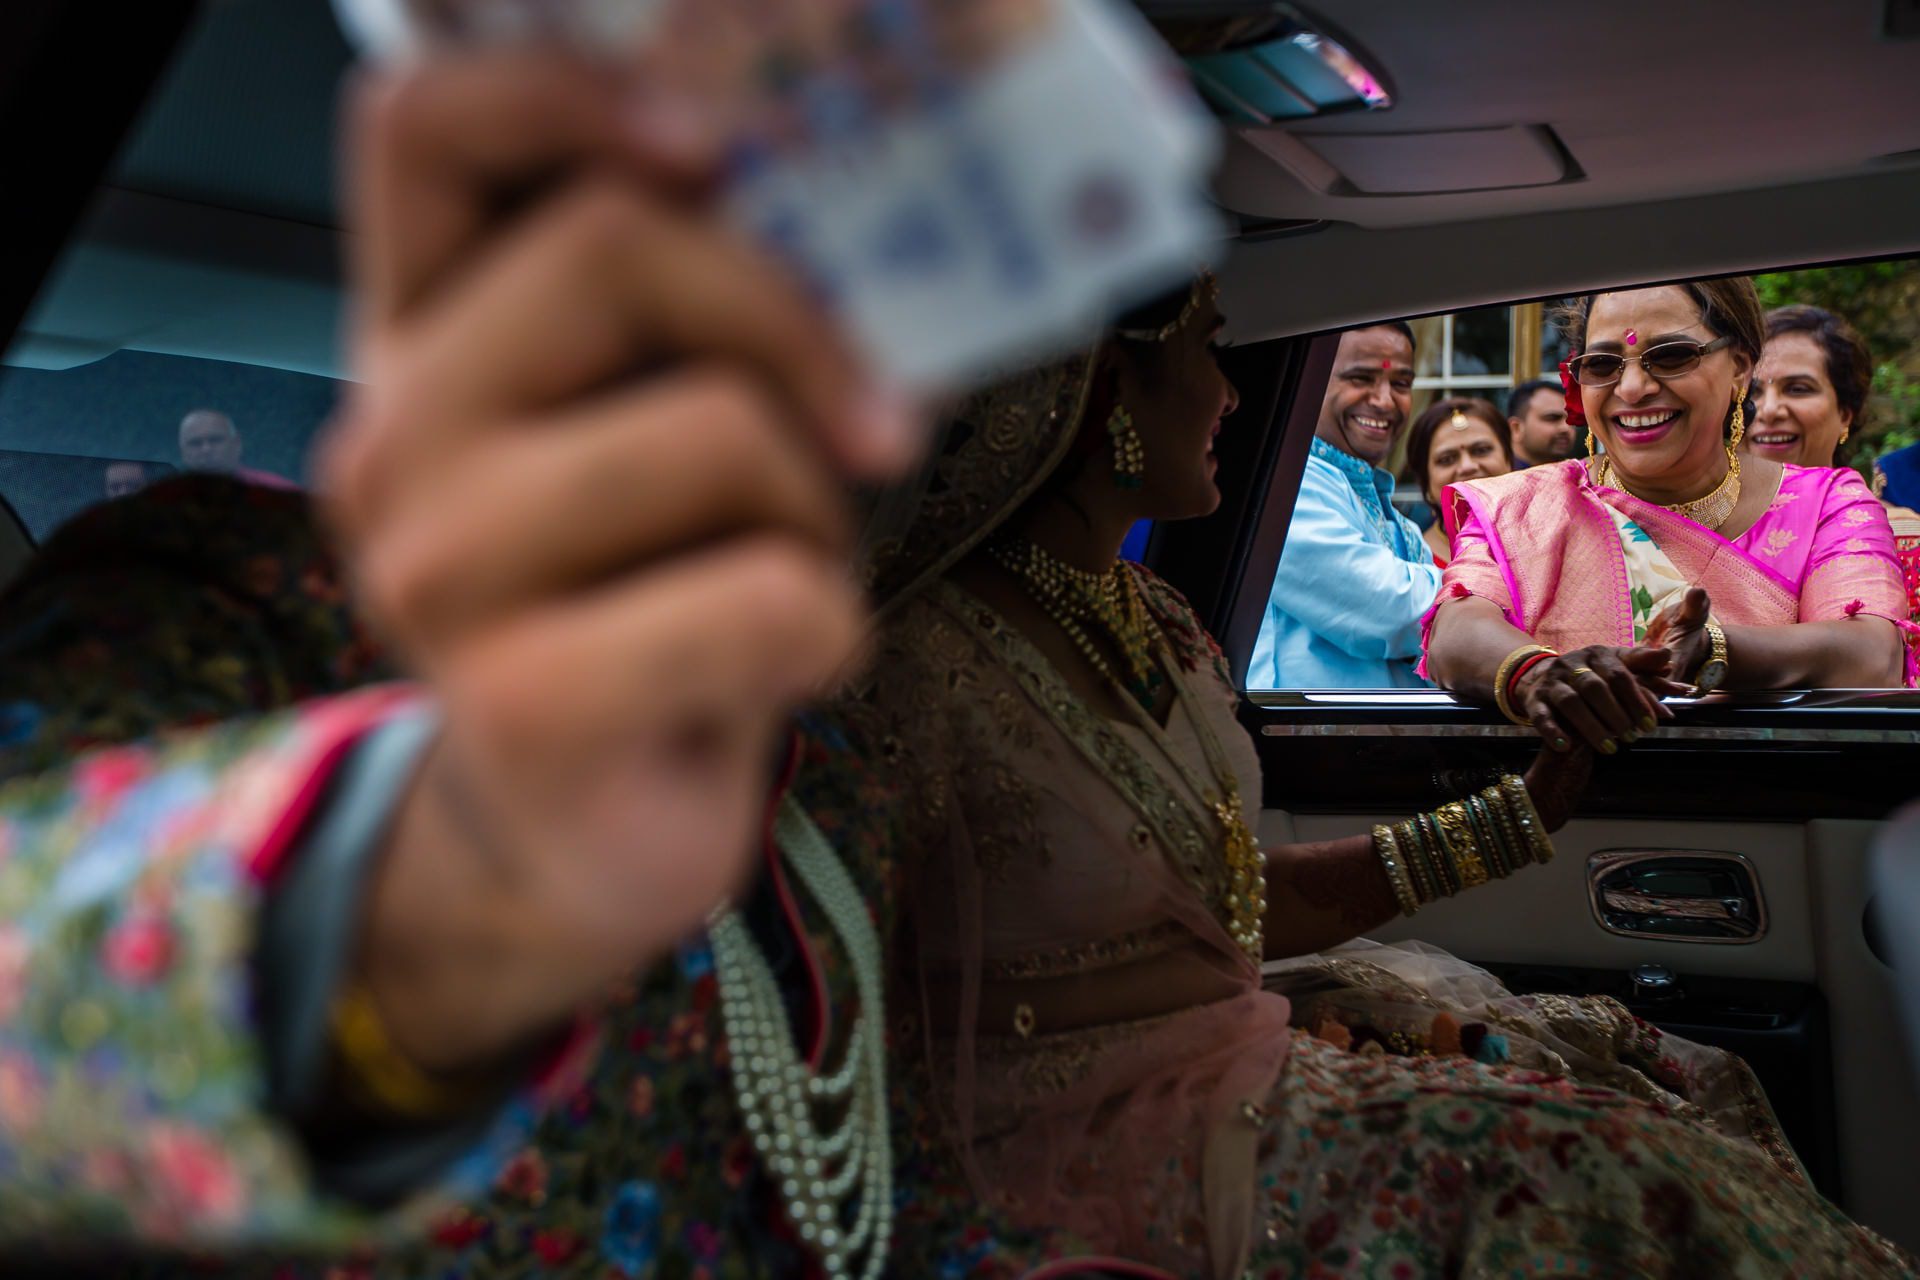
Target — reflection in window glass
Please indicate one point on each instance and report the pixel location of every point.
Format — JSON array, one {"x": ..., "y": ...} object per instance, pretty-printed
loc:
[
  {"x": 77, "y": 435},
  {"x": 1482, "y": 341},
  {"x": 45, "y": 490}
]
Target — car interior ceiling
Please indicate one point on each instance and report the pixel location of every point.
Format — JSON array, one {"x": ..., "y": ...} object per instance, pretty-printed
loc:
[{"x": 221, "y": 204}]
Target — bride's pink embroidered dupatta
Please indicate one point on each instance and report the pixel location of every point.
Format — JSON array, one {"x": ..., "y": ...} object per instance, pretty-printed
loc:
[{"x": 1541, "y": 544}]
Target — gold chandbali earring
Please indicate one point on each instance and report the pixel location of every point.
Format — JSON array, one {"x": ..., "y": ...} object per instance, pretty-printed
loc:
[
  {"x": 1713, "y": 510},
  {"x": 1593, "y": 446},
  {"x": 1844, "y": 433},
  {"x": 1129, "y": 455}
]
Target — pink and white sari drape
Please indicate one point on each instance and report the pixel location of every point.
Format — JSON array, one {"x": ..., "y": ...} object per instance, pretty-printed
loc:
[{"x": 1544, "y": 545}]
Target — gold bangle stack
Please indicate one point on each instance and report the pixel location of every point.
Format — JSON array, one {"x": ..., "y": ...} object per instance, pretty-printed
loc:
[
  {"x": 1504, "y": 674},
  {"x": 1388, "y": 847},
  {"x": 1462, "y": 845}
]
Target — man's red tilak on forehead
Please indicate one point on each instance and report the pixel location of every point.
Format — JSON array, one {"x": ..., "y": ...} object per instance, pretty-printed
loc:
[{"x": 1386, "y": 364}]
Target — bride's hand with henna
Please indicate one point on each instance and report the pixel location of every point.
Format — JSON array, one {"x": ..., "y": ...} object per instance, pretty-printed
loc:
[{"x": 1556, "y": 782}]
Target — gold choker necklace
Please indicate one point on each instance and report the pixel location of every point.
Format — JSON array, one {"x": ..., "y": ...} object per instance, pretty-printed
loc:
[
  {"x": 1073, "y": 597},
  {"x": 1711, "y": 511}
]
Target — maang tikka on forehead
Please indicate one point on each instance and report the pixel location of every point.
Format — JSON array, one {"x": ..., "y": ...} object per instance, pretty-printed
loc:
[{"x": 1205, "y": 289}]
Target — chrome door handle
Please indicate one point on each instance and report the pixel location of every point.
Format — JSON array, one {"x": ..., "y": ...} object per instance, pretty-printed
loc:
[{"x": 1677, "y": 895}]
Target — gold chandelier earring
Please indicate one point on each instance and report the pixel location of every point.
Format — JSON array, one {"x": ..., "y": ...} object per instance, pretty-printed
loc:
[
  {"x": 1739, "y": 420},
  {"x": 1129, "y": 455}
]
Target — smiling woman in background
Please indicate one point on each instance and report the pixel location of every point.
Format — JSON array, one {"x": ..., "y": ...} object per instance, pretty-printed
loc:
[
  {"x": 1579, "y": 591},
  {"x": 1457, "y": 439},
  {"x": 1810, "y": 387}
]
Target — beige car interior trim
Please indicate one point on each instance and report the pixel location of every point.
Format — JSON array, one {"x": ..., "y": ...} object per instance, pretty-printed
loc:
[{"x": 1875, "y": 1086}]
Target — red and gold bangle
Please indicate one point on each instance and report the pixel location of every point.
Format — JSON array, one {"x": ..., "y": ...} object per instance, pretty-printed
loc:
[{"x": 1511, "y": 668}]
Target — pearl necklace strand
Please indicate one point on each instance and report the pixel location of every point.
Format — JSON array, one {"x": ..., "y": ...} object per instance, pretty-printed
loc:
[{"x": 778, "y": 1092}]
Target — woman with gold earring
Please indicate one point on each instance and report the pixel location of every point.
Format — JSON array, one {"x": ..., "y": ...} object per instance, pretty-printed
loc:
[
  {"x": 1810, "y": 391},
  {"x": 1810, "y": 387},
  {"x": 1669, "y": 564}
]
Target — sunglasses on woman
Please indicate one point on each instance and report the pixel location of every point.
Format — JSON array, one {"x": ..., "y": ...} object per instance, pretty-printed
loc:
[{"x": 1662, "y": 360}]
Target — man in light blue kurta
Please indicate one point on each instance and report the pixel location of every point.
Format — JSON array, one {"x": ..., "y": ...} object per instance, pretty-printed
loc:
[{"x": 1355, "y": 576}]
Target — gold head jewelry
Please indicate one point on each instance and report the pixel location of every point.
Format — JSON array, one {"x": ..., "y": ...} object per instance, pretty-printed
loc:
[
  {"x": 1459, "y": 421},
  {"x": 1205, "y": 289}
]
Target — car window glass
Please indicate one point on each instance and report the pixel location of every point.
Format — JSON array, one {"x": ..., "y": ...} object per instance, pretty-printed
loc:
[
  {"x": 1365, "y": 548},
  {"x": 191, "y": 322}
]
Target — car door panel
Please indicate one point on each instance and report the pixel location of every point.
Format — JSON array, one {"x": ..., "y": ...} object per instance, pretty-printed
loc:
[{"x": 1877, "y": 1086}]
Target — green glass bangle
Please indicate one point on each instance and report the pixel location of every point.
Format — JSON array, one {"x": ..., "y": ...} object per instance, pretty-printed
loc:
[
  {"x": 1439, "y": 857},
  {"x": 1416, "y": 861},
  {"x": 1492, "y": 853}
]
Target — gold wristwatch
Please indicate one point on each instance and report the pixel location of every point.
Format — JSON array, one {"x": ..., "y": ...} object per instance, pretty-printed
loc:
[{"x": 1713, "y": 672}]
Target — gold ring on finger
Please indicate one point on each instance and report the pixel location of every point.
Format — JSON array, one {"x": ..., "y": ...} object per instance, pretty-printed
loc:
[{"x": 1580, "y": 671}]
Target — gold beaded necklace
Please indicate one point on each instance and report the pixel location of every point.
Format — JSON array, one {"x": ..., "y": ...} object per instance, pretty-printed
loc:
[
  {"x": 1711, "y": 511},
  {"x": 1074, "y": 597},
  {"x": 1067, "y": 595}
]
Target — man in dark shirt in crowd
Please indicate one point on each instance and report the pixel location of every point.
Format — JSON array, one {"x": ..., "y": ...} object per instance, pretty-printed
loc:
[{"x": 1537, "y": 412}]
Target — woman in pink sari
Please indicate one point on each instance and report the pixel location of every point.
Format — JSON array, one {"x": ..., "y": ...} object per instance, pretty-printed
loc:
[{"x": 1669, "y": 564}]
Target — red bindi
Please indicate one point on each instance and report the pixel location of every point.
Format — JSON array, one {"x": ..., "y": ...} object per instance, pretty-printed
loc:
[
  {"x": 1386, "y": 364},
  {"x": 1633, "y": 338}
]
